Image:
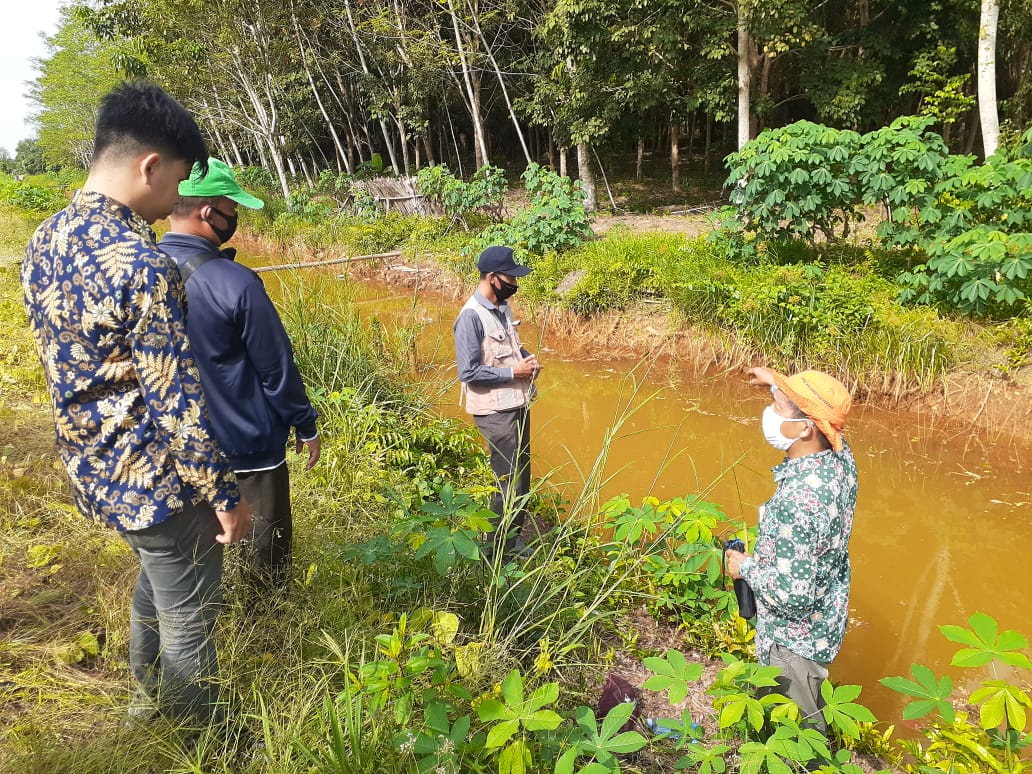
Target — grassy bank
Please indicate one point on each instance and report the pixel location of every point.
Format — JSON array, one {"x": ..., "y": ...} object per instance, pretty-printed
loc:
[{"x": 834, "y": 309}]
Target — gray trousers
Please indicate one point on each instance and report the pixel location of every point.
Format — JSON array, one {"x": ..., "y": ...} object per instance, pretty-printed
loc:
[
  {"x": 508, "y": 437},
  {"x": 266, "y": 553},
  {"x": 177, "y": 598},
  {"x": 800, "y": 680}
]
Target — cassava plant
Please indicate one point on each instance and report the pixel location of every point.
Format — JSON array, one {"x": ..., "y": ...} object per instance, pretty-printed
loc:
[{"x": 955, "y": 741}]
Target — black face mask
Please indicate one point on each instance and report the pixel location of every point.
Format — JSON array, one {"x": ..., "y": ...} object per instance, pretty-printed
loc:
[
  {"x": 504, "y": 290},
  {"x": 224, "y": 233}
]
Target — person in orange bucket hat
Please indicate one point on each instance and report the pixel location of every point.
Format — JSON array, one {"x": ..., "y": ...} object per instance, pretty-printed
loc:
[{"x": 799, "y": 569}]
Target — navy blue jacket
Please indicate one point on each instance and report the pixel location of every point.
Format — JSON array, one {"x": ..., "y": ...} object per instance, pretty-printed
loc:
[{"x": 251, "y": 383}]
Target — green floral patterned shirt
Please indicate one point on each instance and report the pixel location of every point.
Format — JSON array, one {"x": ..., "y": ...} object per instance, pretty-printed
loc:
[
  {"x": 799, "y": 569},
  {"x": 106, "y": 311}
]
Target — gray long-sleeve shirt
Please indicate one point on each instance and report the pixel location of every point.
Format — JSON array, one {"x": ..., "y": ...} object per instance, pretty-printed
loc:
[{"x": 469, "y": 333}]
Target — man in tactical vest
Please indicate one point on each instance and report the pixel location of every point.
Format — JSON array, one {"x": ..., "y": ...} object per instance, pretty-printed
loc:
[{"x": 497, "y": 376}]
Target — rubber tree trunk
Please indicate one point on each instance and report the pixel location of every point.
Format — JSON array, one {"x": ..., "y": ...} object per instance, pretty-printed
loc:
[
  {"x": 639, "y": 163},
  {"x": 587, "y": 178},
  {"x": 337, "y": 144},
  {"x": 675, "y": 157},
  {"x": 987, "y": 112},
  {"x": 365, "y": 69},
  {"x": 505, "y": 91},
  {"x": 429, "y": 148},
  {"x": 707, "y": 154},
  {"x": 744, "y": 75},
  {"x": 472, "y": 92}
]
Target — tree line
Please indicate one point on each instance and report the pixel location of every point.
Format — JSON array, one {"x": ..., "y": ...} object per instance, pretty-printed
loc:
[{"x": 297, "y": 86}]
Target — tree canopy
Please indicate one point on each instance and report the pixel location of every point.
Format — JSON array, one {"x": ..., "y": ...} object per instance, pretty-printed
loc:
[{"x": 300, "y": 85}]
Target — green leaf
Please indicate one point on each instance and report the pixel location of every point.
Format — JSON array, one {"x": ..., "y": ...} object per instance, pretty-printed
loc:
[
  {"x": 492, "y": 709},
  {"x": 935, "y": 693},
  {"x": 567, "y": 760},
  {"x": 542, "y": 720},
  {"x": 501, "y": 733},
  {"x": 546, "y": 694},
  {"x": 512, "y": 688},
  {"x": 615, "y": 719},
  {"x": 626, "y": 742},
  {"x": 985, "y": 644},
  {"x": 515, "y": 759},
  {"x": 731, "y": 713}
]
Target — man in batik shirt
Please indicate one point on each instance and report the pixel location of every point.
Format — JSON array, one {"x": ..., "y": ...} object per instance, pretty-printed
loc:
[
  {"x": 799, "y": 569},
  {"x": 106, "y": 311}
]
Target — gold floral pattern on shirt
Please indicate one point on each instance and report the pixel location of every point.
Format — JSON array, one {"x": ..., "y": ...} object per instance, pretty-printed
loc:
[{"x": 106, "y": 308}]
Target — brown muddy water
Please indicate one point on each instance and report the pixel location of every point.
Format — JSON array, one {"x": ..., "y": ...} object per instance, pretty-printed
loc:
[{"x": 943, "y": 521}]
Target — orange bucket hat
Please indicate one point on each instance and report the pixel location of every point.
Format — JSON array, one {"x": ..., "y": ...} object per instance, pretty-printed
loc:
[{"x": 823, "y": 398}]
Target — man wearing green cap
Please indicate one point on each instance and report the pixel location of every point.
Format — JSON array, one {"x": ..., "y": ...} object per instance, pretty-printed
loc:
[{"x": 254, "y": 391}]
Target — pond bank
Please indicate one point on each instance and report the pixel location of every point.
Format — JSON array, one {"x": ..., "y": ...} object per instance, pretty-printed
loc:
[{"x": 974, "y": 397}]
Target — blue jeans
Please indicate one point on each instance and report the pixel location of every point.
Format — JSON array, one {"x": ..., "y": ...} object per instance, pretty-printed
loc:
[{"x": 172, "y": 623}]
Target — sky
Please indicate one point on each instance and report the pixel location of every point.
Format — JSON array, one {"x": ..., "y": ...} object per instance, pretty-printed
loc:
[{"x": 20, "y": 41}]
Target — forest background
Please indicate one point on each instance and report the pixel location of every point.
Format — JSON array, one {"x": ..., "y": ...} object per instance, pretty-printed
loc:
[{"x": 301, "y": 86}]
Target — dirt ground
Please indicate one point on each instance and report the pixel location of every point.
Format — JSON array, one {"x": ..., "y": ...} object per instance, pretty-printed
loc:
[{"x": 658, "y": 638}]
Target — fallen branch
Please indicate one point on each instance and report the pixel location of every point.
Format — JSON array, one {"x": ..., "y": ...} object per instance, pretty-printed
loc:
[{"x": 328, "y": 262}]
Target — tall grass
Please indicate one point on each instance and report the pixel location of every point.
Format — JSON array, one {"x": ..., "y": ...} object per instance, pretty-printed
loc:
[{"x": 825, "y": 314}]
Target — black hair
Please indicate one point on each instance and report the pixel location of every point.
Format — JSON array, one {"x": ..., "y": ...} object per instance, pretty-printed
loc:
[
  {"x": 188, "y": 204},
  {"x": 800, "y": 414},
  {"x": 138, "y": 116}
]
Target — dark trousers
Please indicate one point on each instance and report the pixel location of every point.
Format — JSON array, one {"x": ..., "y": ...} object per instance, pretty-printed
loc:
[
  {"x": 172, "y": 622},
  {"x": 266, "y": 553},
  {"x": 508, "y": 437}
]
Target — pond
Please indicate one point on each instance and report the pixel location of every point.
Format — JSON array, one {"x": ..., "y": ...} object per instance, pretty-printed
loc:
[{"x": 943, "y": 518}]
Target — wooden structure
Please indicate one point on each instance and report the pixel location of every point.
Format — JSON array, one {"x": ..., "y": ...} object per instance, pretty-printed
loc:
[{"x": 398, "y": 194}]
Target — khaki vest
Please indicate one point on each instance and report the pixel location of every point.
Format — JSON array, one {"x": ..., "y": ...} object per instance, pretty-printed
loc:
[{"x": 499, "y": 348}]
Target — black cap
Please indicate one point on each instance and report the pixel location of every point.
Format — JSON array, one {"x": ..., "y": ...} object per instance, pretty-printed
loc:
[{"x": 499, "y": 259}]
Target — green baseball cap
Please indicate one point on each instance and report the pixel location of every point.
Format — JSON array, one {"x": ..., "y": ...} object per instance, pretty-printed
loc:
[{"x": 218, "y": 182}]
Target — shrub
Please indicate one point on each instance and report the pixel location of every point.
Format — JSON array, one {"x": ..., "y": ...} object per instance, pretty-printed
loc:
[
  {"x": 555, "y": 219},
  {"x": 41, "y": 197},
  {"x": 793, "y": 183},
  {"x": 484, "y": 193},
  {"x": 979, "y": 239},
  {"x": 968, "y": 224}
]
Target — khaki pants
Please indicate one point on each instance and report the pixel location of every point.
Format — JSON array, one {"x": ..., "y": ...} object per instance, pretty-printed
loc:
[{"x": 800, "y": 680}]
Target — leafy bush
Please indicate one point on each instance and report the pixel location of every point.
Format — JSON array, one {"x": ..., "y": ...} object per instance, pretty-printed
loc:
[
  {"x": 254, "y": 177},
  {"x": 793, "y": 183},
  {"x": 555, "y": 218},
  {"x": 979, "y": 237},
  {"x": 956, "y": 743},
  {"x": 967, "y": 225},
  {"x": 32, "y": 196},
  {"x": 484, "y": 193},
  {"x": 898, "y": 167}
]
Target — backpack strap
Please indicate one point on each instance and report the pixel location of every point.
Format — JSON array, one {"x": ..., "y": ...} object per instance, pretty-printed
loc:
[{"x": 192, "y": 264}]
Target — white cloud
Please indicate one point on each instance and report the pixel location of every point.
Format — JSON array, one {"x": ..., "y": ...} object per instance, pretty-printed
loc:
[{"x": 20, "y": 41}]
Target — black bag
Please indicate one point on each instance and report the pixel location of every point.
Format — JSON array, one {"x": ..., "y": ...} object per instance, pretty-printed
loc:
[{"x": 616, "y": 690}]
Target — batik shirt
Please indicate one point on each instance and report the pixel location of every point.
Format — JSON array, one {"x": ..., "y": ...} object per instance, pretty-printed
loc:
[
  {"x": 799, "y": 568},
  {"x": 106, "y": 311}
]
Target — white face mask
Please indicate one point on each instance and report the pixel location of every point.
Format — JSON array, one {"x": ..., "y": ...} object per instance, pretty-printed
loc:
[{"x": 772, "y": 421}]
